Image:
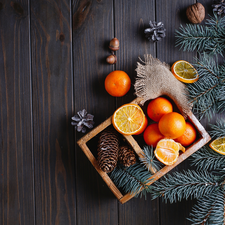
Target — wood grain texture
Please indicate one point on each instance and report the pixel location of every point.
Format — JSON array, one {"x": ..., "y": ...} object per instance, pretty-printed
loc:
[
  {"x": 172, "y": 14},
  {"x": 91, "y": 37},
  {"x": 53, "y": 64},
  {"x": 16, "y": 173},
  {"x": 131, "y": 18},
  {"x": 52, "y": 83}
]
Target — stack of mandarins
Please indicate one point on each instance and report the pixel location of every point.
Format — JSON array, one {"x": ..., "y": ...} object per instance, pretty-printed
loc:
[{"x": 168, "y": 134}]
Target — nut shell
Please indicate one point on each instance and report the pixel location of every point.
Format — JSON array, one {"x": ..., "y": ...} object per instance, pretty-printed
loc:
[
  {"x": 196, "y": 13},
  {"x": 111, "y": 59},
  {"x": 114, "y": 44}
]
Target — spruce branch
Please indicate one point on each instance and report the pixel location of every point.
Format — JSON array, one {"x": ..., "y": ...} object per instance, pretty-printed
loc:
[
  {"x": 208, "y": 38},
  {"x": 184, "y": 185},
  {"x": 218, "y": 129},
  {"x": 209, "y": 209},
  {"x": 207, "y": 159},
  {"x": 133, "y": 179},
  {"x": 149, "y": 161},
  {"x": 207, "y": 94}
]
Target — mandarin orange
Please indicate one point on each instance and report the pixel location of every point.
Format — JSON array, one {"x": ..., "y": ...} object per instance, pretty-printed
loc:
[
  {"x": 159, "y": 107},
  {"x": 167, "y": 151},
  {"x": 172, "y": 125},
  {"x": 117, "y": 83},
  {"x": 152, "y": 135},
  {"x": 128, "y": 119},
  {"x": 188, "y": 136}
]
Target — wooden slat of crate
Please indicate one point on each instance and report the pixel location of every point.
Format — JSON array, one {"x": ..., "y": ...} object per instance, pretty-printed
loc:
[
  {"x": 82, "y": 143},
  {"x": 204, "y": 138}
]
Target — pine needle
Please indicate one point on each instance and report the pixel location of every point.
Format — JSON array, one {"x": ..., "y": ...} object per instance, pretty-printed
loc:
[
  {"x": 208, "y": 38},
  {"x": 133, "y": 179},
  {"x": 207, "y": 159},
  {"x": 207, "y": 94},
  {"x": 209, "y": 209},
  {"x": 180, "y": 186},
  {"x": 149, "y": 161},
  {"x": 218, "y": 129}
]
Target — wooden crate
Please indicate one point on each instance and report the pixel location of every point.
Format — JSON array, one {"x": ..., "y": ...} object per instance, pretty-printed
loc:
[{"x": 203, "y": 138}]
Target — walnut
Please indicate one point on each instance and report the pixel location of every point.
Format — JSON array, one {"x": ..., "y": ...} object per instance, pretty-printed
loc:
[{"x": 196, "y": 13}]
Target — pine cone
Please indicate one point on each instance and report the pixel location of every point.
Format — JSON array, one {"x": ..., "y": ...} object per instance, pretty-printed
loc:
[
  {"x": 108, "y": 148},
  {"x": 127, "y": 156},
  {"x": 156, "y": 31},
  {"x": 219, "y": 7},
  {"x": 82, "y": 120}
]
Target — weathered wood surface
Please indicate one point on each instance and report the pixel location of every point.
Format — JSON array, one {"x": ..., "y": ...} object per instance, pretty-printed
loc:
[
  {"x": 16, "y": 126},
  {"x": 52, "y": 57}
]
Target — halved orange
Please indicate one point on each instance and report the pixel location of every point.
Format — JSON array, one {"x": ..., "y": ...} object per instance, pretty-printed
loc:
[
  {"x": 167, "y": 151},
  {"x": 143, "y": 127},
  {"x": 184, "y": 71},
  {"x": 128, "y": 119},
  {"x": 218, "y": 145}
]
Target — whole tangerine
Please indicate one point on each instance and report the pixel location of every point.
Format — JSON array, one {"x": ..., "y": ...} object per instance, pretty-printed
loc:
[
  {"x": 172, "y": 125},
  {"x": 117, "y": 83},
  {"x": 159, "y": 107},
  {"x": 152, "y": 135},
  {"x": 188, "y": 136}
]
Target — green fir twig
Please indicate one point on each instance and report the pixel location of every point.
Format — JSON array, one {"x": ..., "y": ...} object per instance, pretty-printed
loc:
[
  {"x": 149, "y": 161},
  {"x": 218, "y": 129},
  {"x": 180, "y": 186},
  {"x": 207, "y": 94},
  {"x": 207, "y": 159},
  {"x": 133, "y": 179},
  {"x": 209, "y": 209},
  {"x": 208, "y": 38}
]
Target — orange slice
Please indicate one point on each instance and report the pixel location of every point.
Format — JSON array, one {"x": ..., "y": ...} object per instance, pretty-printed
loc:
[
  {"x": 184, "y": 71},
  {"x": 167, "y": 151},
  {"x": 128, "y": 119},
  {"x": 143, "y": 127},
  {"x": 218, "y": 145}
]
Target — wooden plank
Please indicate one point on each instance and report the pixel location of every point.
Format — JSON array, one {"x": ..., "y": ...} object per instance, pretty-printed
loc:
[
  {"x": 52, "y": 83},
  {"x": 131, "y": 18},
  {"x": 93, "y": 30},
  {"x": 172, "y": 14},
  {"x": 16, "y": 176}
]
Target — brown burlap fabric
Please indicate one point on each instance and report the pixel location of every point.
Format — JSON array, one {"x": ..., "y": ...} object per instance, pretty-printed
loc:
[{"x": 155, "y": 79}]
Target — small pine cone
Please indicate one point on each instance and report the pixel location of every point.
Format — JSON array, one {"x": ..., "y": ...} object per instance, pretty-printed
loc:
[
  {"x": 219, "y": 7},
  {"x": 155, "y": 32},
  {"x": 127, "y": 156},
  {"x": 108, "y": 149},
  {"x": 82, "y": 120}
]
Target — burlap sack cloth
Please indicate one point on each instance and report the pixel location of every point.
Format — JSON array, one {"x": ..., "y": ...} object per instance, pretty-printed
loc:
[{"x": 154, "y": 79}]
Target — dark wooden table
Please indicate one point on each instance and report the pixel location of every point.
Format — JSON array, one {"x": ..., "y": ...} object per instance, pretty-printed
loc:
[{"x": 52, "y": 64}]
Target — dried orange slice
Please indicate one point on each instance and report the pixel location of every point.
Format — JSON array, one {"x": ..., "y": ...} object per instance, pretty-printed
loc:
[
  {"x": 184, "y": 71},
  {"x": 167, "y": 151},
  {"x": 128, "y": 119},
  {"x": 218, "y": 145}
]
